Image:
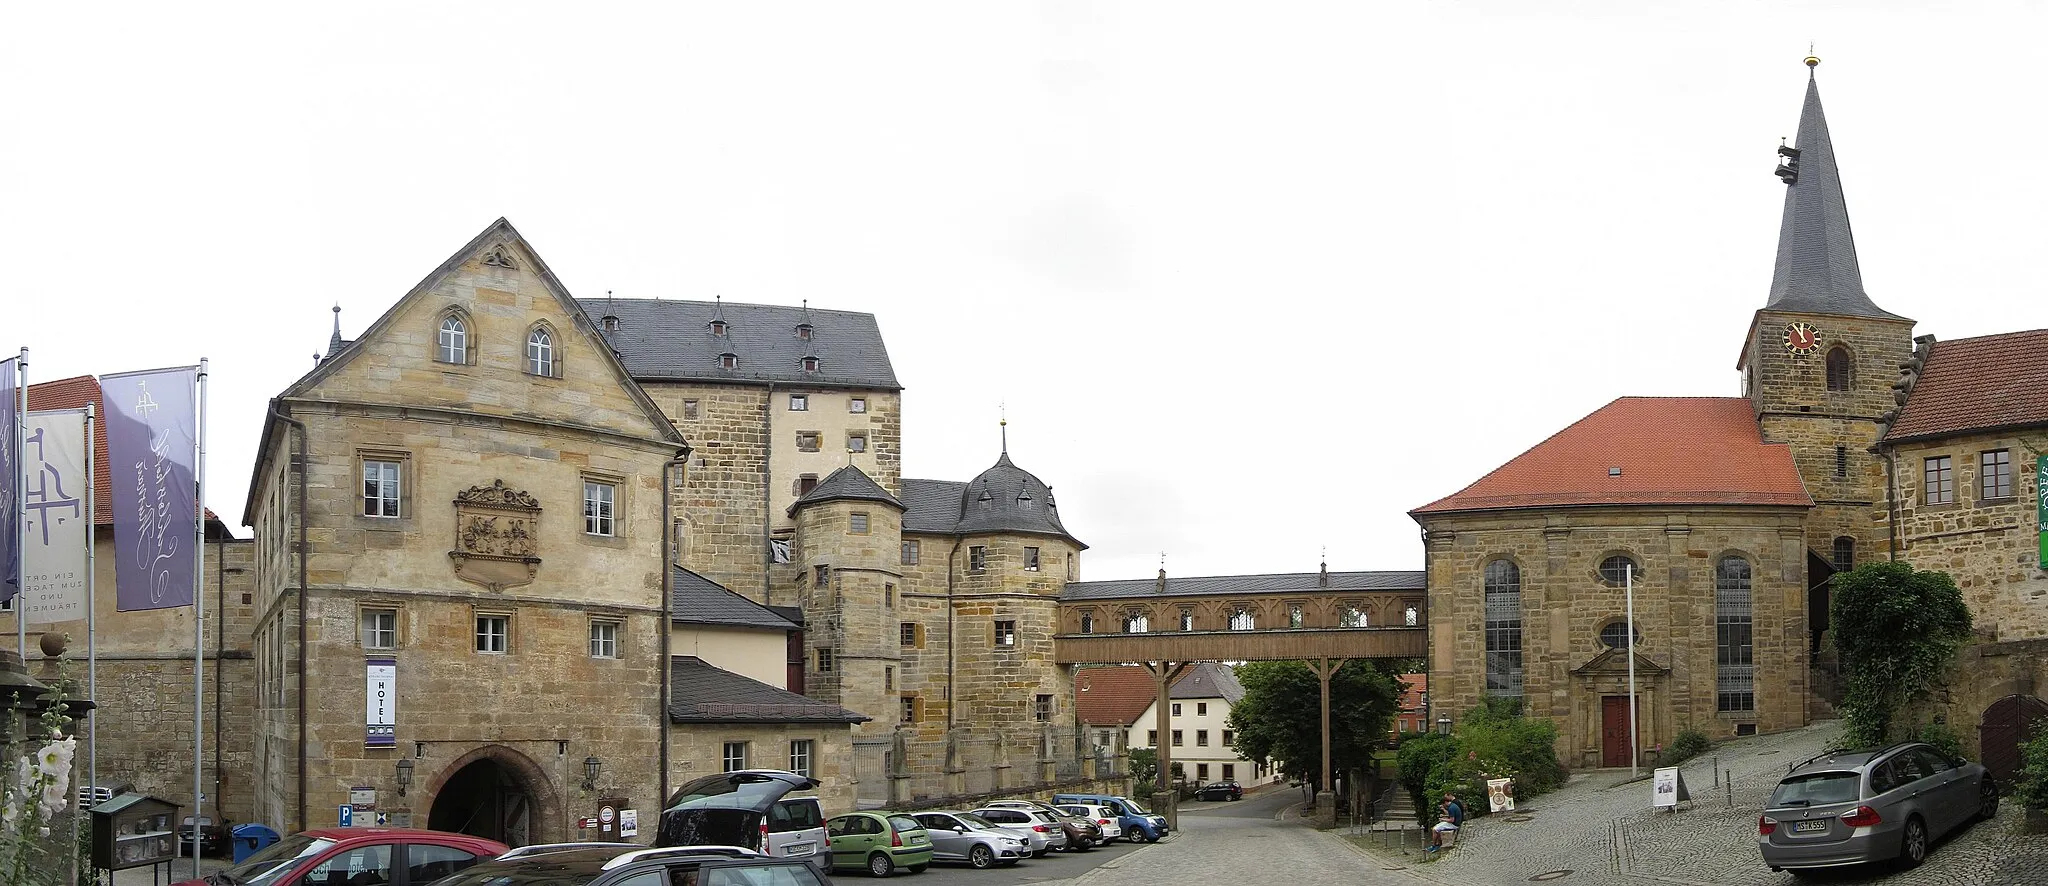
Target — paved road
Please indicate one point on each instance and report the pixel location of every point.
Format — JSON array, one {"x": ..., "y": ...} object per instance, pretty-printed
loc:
[
  {"x": 1242, "y": 843},
  {"x": 1057, "y": 867}
]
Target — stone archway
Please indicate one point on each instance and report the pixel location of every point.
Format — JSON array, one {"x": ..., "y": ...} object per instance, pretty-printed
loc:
[{"x": 497, "y": 793}]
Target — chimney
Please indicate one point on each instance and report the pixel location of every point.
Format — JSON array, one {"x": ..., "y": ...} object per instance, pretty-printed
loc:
[
  {"x": 1161, "y": 586},
  {"x": 1323, "y": 577}
]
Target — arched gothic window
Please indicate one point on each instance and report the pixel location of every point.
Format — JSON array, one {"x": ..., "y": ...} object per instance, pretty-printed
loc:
[
  {"x": 540, "y": 353},
  {"x": 1242, "y": 619},
  {"x": 1353, "y": 615},
  {"x": 1838, "y": 368},
  {"x": 1136, "y": 622},
  {"x": 1735, "y": 665},
  {"x": 1503, "y": 629},
  {"x": 454, "y": 340}
]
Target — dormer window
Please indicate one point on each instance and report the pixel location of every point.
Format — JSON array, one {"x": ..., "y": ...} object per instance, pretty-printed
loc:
[
  {"x": 718, "y": 327},
  {"x": 611, "y": 323},
  {"x": 810, "y": 364},
  {"x": 728, "y": 360},
  {"x": 804, "y": 332}
]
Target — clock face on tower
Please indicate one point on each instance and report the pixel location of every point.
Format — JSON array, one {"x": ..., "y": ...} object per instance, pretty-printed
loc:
[{"x": 1801, "y": 338}]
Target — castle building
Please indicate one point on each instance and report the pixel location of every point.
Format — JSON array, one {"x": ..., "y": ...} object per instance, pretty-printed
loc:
[{"x": 1728, "y": 516}]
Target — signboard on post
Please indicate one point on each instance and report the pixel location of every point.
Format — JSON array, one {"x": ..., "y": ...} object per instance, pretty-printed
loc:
[
  {"x": 346, "y": 817},
  {"x": 1668, "y": 789}
]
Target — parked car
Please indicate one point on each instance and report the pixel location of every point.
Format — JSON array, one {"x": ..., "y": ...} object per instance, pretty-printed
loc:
[
  {"x": 964, "y": 836},
  {"x": 747, "y": 808},
  {"x": 393, "y": 856},
  {"x": 213, "y": 838},
  {"x": 1038, "y": 827},
  {"x": 1104, "y": 819},
  {"x": 1867, "y": 806},
  {"x": 1220, "y": 790},
  {"x": 1138, "y": 823},
  {"x": 1082, "y": 832},
  {"x": 879, "y": 842},
  {"x": 626, "y": 864}
]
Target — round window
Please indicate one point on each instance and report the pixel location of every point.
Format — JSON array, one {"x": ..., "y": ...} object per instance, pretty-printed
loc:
[
  {"x": 1615, "y": 570},
  {"x": 1614, "y": 635}
]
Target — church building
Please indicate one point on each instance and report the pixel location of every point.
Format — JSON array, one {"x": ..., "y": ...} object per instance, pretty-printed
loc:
[{"x": 1727, "y": 516}]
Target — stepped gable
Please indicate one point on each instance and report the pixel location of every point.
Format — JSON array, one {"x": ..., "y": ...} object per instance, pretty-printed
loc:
[
  {"x": 1978, "y": 384},
  {"x": 1643, "y": 451}
]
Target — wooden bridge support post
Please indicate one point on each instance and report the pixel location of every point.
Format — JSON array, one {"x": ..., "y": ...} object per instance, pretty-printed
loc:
[
  {"x": 1326, "y": 798},
  {"x": 1164, "y": 800}
]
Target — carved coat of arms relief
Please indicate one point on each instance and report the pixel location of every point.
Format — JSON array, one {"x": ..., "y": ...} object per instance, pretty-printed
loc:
[{"x": 497, "y": 536}]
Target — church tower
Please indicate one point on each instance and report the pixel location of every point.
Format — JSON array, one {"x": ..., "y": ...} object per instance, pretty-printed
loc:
[{"x": 1820, "y": 358}]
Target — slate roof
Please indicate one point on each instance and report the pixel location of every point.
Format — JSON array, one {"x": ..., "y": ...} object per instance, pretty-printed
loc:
[
  {"x": 1671, "y": 451},
  {"x": 1113, "y": 695},
  {"x": 849, "y": 483},
  {"x": 1003, "y": 499},
  {"x": 1978, "y": 384},
  {"x": 931, "y": 505},
  {"x": 75, "y": 393},
  {"x": 1816, "y": 270},
  {"x": 701, "y": 693},
  {"x": 694, "y": 599},
  {"x": 1246, "y": 585},
  {"x": 1208, "y": 679},
  {"x": 662, "y": 340}
]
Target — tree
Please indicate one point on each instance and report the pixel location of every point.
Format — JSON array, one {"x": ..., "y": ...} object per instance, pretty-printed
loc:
[
  {"x": 1897, "y": 629},
  {"x": 1280, "y": 716}
]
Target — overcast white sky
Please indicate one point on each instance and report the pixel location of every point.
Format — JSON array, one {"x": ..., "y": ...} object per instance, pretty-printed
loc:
[{"x": 1253, "y": 279}]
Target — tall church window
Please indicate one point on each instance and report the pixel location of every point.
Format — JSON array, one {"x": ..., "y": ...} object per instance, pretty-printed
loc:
[
  {"x": 540, "y": 353},
  {"x": 454, "y": 340},
  {"x": 1503, "y": 629},
  {"x": 1845, "y": 554},
  {"x": 1735, "y": 668},
  {"x": 1838, "y": 369}
]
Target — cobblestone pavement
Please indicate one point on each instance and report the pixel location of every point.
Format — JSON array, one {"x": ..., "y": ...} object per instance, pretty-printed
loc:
[
  {"x": 1242, "y": 843},
  {"x": 1599, "y": 827}
]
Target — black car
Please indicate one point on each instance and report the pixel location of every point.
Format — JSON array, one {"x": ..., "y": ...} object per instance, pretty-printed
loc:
[
  {"x": 213, "y": 838},
  {"x": 625, "y": 864},
  {"x": 1220, "y": 790}
]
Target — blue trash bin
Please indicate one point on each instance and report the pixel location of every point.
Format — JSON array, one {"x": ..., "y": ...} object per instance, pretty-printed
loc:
[{"x": 251, "y": 839}]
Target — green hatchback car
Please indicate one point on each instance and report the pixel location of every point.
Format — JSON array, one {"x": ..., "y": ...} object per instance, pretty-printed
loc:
[{"x": 879, "y": 843}]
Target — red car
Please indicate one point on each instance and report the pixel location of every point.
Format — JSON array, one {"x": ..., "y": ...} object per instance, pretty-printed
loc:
[{"x": 357, "y": 857}]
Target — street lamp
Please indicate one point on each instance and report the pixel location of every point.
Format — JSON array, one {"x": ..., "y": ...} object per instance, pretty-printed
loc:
[
  {"x": 404, "y": 774},
  {"x": 1443, "y": 725},
  {"x": 591, "y": 766}
]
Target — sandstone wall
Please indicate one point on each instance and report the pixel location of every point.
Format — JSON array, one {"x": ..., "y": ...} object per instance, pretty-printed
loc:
[
  {"x": 697, "y": 749},
  {"x": 1565, "y": 603}
]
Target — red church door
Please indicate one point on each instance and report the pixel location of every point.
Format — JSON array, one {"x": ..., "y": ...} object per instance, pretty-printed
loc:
[{"x": 1614, "y": 730}]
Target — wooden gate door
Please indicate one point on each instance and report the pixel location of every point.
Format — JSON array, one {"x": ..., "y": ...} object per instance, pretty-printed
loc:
[
  {"x": 2008, "y": 723},
  {"x": 1614, "y": 730}
]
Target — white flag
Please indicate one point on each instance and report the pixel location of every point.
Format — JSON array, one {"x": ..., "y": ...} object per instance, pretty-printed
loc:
[{"x": 54, "y": 489}]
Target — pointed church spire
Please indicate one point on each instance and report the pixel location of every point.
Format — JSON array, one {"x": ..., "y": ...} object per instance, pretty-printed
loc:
[
  {"x": 334, "y": 341},
  {"x": 1816, "y": 270}
]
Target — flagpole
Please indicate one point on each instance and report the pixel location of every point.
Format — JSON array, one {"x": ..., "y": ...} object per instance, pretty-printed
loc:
[
  {"x": 1634, "y": 755},
  {"x": 20, "y": 515},
  {"x": 92, "y": 653},
  {"x": 199, "y": 631}
]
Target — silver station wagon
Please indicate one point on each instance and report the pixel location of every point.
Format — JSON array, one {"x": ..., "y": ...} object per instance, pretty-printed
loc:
[{"x": 1868, "y": 806}]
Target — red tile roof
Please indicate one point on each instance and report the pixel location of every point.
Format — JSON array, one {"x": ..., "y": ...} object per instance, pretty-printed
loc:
[
  {"x": 75, "y": 393},
  {"x": 1415, "y": 687},
  {"x": 1671, "y": 450},
  {"x": 1113, "y": 696},
  {"x": 1976, "y": 384}
]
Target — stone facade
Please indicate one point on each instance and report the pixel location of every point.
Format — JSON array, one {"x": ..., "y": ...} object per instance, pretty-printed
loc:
[
  {"x": 494, "y": 582},
  {"x": 145, "y": 688},
  {"x": 700, "y": 750},
  {"x": 1566, "y": 603}
]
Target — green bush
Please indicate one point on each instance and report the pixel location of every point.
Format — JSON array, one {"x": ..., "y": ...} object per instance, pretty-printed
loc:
[
  {"x": 1690, "y": 743},
  {"x": 1942, "y": 738},
  {"x": 2033, "y": 775},
  {"x": 1493, "y": 741}
]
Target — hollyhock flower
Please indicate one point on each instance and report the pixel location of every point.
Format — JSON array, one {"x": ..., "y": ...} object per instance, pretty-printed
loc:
[{"x": 55, "y": 757}]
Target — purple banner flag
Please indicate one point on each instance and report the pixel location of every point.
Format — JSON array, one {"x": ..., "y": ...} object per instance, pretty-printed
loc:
[
  {"x": 152, "y": 425},
  {"x": 10, "y": 467}
]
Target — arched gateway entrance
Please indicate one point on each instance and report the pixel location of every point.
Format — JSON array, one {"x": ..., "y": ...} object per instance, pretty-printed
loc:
[{"x": 495, "y": 793}]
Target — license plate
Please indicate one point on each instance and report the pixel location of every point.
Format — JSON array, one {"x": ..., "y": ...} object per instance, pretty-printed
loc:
[
  {"x": 1809, "y": 827},
  {"x": 797, "y": 850}
]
